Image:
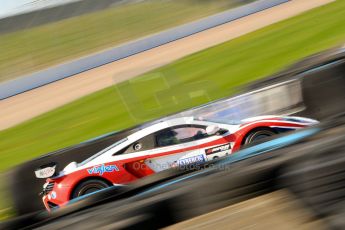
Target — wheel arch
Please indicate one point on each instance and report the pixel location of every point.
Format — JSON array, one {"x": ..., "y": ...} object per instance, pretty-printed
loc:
[
  {"x": 86, "y": 179},
  {"x": 254, "y": 129}
]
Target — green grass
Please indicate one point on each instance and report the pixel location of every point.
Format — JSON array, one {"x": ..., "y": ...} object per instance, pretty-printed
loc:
[
  {"x": 5, "y": 203},
  {"x": 196, "y": 79},
  {"x": 37, "y": 48}
]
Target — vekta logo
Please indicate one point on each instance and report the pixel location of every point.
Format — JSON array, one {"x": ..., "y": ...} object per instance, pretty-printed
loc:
[{"x": 102, "y": 169}]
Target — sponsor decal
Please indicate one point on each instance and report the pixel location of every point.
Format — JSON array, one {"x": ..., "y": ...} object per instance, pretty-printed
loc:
[
  {"x": 217, "y": 149},
  {"x": 102, "y": 169},
  {"x": 190, "y": 160},
  {"x": 45, "y": 172}
]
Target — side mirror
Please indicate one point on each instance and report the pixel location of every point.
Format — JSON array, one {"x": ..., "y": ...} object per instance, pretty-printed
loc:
[{"x": 212, "y": 129}]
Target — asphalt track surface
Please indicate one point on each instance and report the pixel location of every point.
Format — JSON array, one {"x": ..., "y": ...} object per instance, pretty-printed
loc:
[
  {"x": 279, "y": 208},
  {"x": 46, "y": 98}
]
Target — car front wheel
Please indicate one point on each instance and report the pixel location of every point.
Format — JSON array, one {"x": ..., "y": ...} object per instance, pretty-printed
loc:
[{"x": 88, "y": 187}]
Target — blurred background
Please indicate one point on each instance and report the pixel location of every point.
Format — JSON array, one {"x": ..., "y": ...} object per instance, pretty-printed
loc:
[
  {"x": 38, "y": 35},
  {"x": 46, "y": 32}
]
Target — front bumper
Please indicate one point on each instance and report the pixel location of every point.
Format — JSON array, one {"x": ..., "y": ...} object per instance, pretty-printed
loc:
[
  {"x": 55, "y": 195},
  {"x": 48, "y": 204}
]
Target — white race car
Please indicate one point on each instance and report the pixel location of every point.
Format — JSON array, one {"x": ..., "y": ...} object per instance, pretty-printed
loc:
[{"x": 172, "y": 143}]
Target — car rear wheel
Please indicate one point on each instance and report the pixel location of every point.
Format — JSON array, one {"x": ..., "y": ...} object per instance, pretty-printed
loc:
[
  {"x": 258, "y": 135},
  {"x": 88, "y": 187}
]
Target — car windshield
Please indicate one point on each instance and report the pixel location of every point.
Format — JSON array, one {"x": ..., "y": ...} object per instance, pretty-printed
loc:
[
  {"x": 103, "y": 151},
  {"x": 220, "y": 120}
]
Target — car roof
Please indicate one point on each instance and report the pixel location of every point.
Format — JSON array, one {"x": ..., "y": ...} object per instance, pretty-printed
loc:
[{"x": 162, "y": 124}]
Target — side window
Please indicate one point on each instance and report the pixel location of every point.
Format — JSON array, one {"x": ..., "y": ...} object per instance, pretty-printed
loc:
[
  {"x": 145, "y": 143},
  {"x": 180, "y": 134}
]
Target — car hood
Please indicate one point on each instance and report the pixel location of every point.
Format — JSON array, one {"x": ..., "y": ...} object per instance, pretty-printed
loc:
[{"x": 70, "y": 167}]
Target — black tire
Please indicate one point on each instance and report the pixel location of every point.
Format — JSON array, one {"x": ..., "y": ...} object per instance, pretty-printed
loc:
[
  {"x": 258, "y": 135},
  {"x": 88, "y": 187}
]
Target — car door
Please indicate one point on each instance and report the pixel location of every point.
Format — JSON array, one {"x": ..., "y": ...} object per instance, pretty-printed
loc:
[
  {"x": 131, "y": 158},
  {"x": 178, "y": 146}
]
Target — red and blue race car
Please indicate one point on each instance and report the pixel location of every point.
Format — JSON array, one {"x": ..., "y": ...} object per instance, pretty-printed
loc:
[{"x": 172, "y": 143}]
